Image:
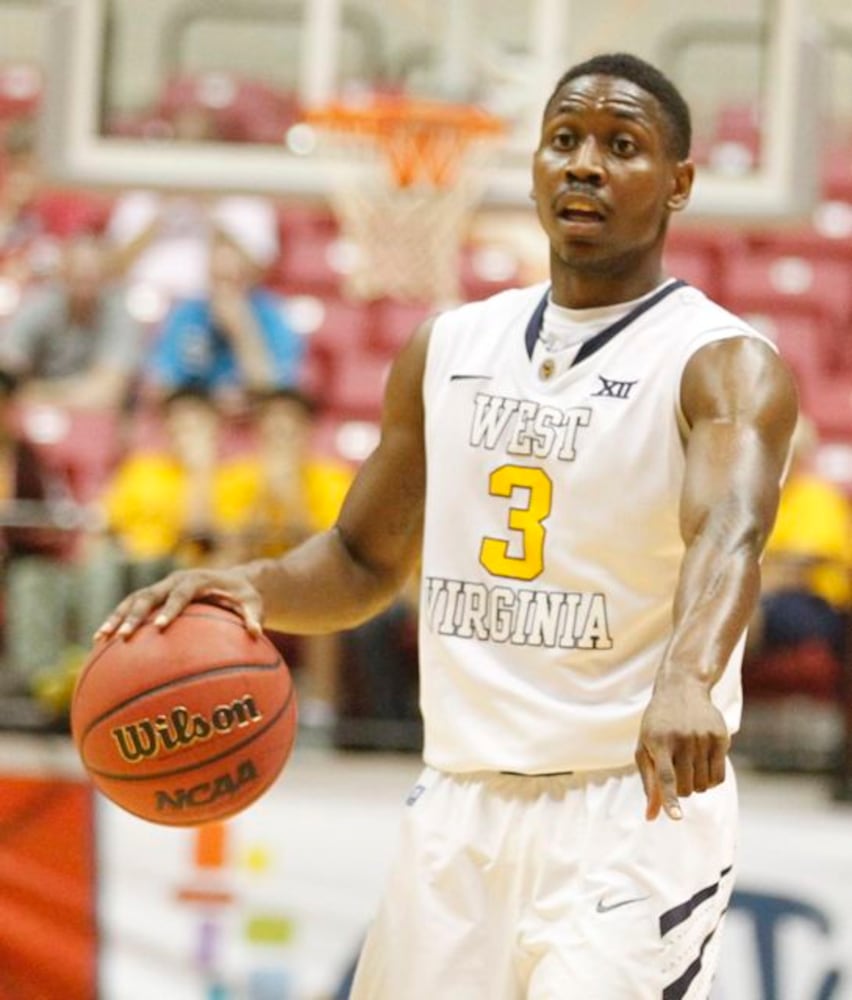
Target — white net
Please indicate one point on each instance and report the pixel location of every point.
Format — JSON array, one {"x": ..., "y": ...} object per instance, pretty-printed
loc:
[
  {"x": 407, "y": 208},
  {"x": 408, "y": 240}
]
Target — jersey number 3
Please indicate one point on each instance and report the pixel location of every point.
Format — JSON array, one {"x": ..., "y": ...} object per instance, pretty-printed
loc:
[{"x": 525, "y": 518}]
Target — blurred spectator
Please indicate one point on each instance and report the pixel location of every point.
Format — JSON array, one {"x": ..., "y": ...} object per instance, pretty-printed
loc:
[
  {"x": 33, "y": 218},
  {"x": 19, "y": 221},
  {"x": 285, "y": 492},
  {"x": 235, "y": 341},
  {"x": 359, "y": 687},
  {"x": 160, "y": 507},
  {"x": 279, "y": 495},
  {"x": 162, "y": 241},
  {"x": 185, "y": 501},
  {"x": 33, "y": 545},
  {"x": 28, "y": 488},
  {"x": 157, "y": 511},
  {"x": 72, "y": 341},
  {"x": 797, "y": 639}
]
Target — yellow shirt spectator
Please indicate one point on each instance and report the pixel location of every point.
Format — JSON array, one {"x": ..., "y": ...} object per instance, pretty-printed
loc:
[
  {"x": 813, "y": 523},
  {"x": 247, "y": 503},
  {"x": 146, "y": 504}
]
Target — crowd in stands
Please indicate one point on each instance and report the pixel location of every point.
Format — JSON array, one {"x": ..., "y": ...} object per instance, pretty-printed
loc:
[
  {"x": 135, "y": 441},
  {"x": 178, "y": 371}
]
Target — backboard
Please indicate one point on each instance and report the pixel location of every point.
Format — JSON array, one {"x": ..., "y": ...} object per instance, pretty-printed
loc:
[{"x": 113, "y": 62}]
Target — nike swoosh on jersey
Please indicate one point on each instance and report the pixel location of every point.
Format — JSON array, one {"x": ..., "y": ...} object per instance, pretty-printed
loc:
[
  {"x": 458, "y": 378},
  {"x": 603, "y": 907}
]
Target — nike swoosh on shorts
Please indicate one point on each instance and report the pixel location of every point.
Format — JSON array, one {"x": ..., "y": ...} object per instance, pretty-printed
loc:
[{"x": 603, "y": 907}]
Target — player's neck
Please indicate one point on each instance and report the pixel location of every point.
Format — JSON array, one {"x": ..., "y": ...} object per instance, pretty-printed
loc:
[{"x": 587, "y": 289}]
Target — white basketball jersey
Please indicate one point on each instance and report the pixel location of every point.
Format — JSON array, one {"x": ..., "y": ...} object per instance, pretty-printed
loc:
[{"x": 552, "y": 544}]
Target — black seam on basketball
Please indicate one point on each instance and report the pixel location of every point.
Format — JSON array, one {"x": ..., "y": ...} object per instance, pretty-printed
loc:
[
  {"x": 190, "y": 613},
  {"x": 175, "y": 682},
  {"x": 199, "y": 763}
]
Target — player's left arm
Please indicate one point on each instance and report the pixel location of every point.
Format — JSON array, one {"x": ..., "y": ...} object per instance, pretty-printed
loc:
[{"x": 740, "y": 403}]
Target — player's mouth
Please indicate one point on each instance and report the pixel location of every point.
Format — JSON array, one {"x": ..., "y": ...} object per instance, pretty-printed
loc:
[{"x": 581, "y": 213}]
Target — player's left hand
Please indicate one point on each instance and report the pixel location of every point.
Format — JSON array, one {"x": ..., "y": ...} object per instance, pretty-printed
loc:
[{"x": 683, "y": 745}]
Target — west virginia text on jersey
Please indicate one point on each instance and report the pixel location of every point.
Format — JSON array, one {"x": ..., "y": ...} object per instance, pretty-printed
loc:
[{"x": 544, "y": 590}]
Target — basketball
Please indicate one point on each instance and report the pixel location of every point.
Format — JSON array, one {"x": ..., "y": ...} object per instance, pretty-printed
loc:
[{"x": 188, "y": 724}]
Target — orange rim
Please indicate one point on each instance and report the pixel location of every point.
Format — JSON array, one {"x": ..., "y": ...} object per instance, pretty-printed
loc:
[{"x": 423, "y": 141}]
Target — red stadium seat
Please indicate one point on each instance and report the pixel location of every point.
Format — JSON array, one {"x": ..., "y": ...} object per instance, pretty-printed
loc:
[
  {"x": 804, "y": 344},
  {"x": 836, "y": 172},
  {"x": 356, "y": 388},
  {"x": 736, "y": 139},
  {"x": 486, "y": 269},
  {"x": 695, "y": 266},
  {"x": 82, "y": 445},
  {"x": 814, "y": 242},
  {"x": 738, "y": 122},
  {"x": 833, "y": 461},
  {"x": 767, "y": 282},
  {"x": 341, "y": 329},
  {"x": 831, "y": 408},
  {"x": 349, "y": 441},
  {"x": 244, "y": 110},
  {"x": 66, "y": 213},
  {"x": 20, "y": 90},
  {"x": 697, "y": 254},
  {"x": 393, "y": 322},
  {"x": 713, "y": 240},
  {"x": 312, "y": 261},
  {"x": 296, "y": 218},
  {"x": 260, "y": 114}
]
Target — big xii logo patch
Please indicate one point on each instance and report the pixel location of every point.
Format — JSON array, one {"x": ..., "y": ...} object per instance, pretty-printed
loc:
[{"x": 611, "y": 388}]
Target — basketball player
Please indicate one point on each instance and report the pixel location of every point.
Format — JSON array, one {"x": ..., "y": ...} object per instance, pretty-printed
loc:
[{"x": 590, "y": 469}]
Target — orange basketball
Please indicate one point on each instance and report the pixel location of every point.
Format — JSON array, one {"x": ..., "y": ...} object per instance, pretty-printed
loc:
[{"x": 188, "y": 724}]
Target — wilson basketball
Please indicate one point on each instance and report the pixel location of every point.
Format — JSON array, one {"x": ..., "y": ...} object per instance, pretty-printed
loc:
[{"x": 188, "y": 724}]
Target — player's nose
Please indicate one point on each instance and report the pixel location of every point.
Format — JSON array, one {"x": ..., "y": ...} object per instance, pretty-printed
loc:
[{"x": 586, "y": 163}]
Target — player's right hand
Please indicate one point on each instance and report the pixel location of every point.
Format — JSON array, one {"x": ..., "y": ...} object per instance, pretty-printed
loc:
[
  {"x": 683, "y": 744},
  {"x": 169, "y": 596}
]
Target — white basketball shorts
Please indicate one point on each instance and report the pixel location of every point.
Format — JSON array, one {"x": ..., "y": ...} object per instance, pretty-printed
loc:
[{"x": 510, "y": 887}]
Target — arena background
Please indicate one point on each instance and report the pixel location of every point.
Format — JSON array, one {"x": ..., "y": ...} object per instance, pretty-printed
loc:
[{"x": 94, "y": 903}]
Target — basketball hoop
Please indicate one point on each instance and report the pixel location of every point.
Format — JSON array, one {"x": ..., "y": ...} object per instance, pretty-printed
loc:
[{"x": 407, "y": 212}]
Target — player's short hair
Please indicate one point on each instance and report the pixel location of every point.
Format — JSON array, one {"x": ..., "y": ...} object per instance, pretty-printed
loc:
[{"x": 626, "y": 66}]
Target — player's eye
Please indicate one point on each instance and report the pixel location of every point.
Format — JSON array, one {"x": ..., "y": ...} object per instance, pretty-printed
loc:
[
  {"x": 564, "y": 138},
  {"x": 624, "y": 145}
]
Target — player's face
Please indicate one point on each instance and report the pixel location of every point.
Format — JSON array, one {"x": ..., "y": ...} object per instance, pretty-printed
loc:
[{"x": 604, "y": 179}]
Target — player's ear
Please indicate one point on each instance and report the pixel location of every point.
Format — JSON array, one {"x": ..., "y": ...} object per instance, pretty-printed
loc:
[{"x": 683, "y": 176}]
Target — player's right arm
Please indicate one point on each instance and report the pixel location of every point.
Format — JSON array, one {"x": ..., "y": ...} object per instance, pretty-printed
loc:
[{"x": 340, "y": 577}]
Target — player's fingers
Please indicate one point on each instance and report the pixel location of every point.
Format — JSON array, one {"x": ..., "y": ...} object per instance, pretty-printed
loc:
[
  {"x": 649, "y": 783},
  {"x": 682, "y": 761},
  {"x": 667, "y": 780},
  {"x": 236, "y": 596},
  {"x": 107, "y": 628},
  {"x": 136, "y": 608},
  {"x": 717, "y": 760},
  {"x": 701, "y": 765},
  {"x": 176, "y": 599},
  {"x": 246, "y": 603},
  {"x": 116, "y": 618}
]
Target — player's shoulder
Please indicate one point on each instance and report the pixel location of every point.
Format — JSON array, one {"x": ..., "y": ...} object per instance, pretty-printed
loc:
[
  {"x": 507, "y": 305},
  {"x": 707, "y": 315}
]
